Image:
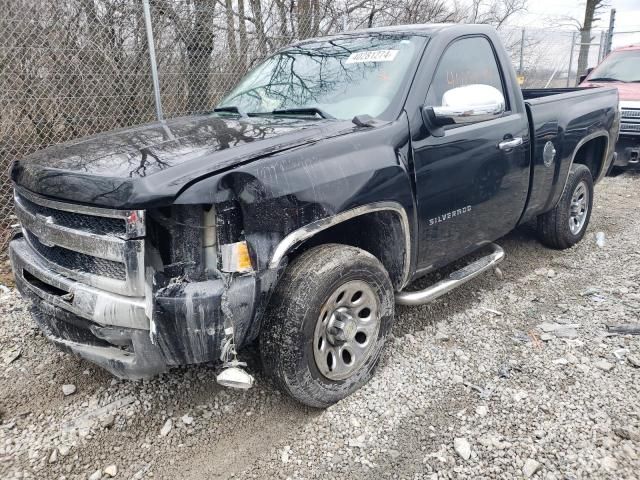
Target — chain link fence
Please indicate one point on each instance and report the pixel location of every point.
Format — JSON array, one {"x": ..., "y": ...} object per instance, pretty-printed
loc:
[
  {"x": 546, "y": 58},
  {"x": 67, "y": 70},
  {"x": 76, "y": 68}
]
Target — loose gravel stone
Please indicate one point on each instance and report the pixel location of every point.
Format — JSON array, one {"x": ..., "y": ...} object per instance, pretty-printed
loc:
[
  {"x": 442, "y": 337},
  {"x": 609, "y": 463},
  {"x": 633, "y": 360},
  {"x": 462, "y": 448},
  {"x": 394, "y": 454},
  {"x": 604, "y": 365},
  {"x": 628, "y": 433},
  {"x": 498, "y": 273},
  {"x": 530, "y": 467},
  {"x": 64, "y": 450},
  {"x": 68, "y": 389},
  {"x": 97, "y": 475},
  {"x": 166, "y": 428},
  {"x": 569, "y": 333},
  {"x": 107, "y": 421},
  {"x": 111, "y": 470}
]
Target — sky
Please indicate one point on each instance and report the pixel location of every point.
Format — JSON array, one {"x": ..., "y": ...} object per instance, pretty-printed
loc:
[{"x": 552, "y": 12}]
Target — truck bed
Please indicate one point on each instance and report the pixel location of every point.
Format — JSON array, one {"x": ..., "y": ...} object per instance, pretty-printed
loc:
[
  {"x": 562, "y": 118},
  {"x": 534, "y": 93}
]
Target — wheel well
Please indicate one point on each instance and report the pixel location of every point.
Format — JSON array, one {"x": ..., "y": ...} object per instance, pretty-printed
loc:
[
  {"x": 379, "y": 233},
  {"x": 591, "y": 154}
]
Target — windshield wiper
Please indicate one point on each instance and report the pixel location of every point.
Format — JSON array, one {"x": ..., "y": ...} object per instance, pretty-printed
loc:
[
  {"x": 303, "y": 111},
  {"x": 231, "y": 109},
  {"x": 604, "y": 79}
]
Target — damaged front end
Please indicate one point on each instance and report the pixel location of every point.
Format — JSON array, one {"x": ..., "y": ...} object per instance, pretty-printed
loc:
[
  {"x": 138, "y": 291},
  {"x": 205, "y": 289}
]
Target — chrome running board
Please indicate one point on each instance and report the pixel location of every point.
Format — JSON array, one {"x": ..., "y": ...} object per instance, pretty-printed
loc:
[{"x": 454, "y": 280}]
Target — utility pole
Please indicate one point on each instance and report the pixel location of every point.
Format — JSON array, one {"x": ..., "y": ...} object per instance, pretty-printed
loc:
[
  {"x": 612, "y": 22},
  {"x": 573, "y": 44},
  {"x": 521, "y": 53}
]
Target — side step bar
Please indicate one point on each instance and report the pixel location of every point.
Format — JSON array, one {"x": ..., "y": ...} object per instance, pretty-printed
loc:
[{"x": 454, "y": 280}]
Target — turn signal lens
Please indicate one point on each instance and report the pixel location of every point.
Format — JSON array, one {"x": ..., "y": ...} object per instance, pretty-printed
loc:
[
  {"x": 235, "y": 257},
  {"x": 242, "y": 252}
]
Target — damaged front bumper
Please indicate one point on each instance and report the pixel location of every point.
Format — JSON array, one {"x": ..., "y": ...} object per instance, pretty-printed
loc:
[
  {"x": 133, "y": 337},
  {"x": 107, "y": 329}
]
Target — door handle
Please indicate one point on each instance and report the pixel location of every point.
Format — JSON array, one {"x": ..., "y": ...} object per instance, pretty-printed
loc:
[{"x": 510, "y": 144}]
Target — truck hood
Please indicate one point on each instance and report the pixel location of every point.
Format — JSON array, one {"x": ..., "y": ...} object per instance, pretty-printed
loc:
[
  {"x": 150, "y": 164},
  {"x": 626, "y": 91}
]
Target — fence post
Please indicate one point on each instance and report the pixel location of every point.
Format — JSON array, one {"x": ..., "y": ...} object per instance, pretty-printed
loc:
[
  {"x": 600, "y": 46},
  {"x": 521, "y": 53},
  {"x": 152, "y": 60},
  {"x": 573, "y": 44}
]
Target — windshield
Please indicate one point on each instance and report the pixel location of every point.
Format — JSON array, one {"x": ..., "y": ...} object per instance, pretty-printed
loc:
[
  {"x": 623, "y": 66},
  {"x": 340, "y": 78}
]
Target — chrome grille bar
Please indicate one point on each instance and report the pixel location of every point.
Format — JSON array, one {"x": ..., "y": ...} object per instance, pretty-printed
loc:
[
  {"x": 100, "y": 247},
  {"x": 50, "y": 233},
  {"x": 629, "y": 113},
  {"x": 135, "y": 227}
]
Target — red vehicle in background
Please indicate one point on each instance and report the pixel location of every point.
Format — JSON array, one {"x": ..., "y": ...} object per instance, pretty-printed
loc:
[{"x": 621, "y": 68}]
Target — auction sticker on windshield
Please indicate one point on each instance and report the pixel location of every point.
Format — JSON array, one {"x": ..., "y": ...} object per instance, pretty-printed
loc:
[{"x": 372, "y": 56}]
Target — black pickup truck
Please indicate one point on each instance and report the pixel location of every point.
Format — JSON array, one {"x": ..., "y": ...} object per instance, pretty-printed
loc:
[{"x": 297, "y": 212}]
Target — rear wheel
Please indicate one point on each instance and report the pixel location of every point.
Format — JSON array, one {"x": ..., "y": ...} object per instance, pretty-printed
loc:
[
  {"x": 327, "y": 322},
  {"x": 566, "y": 224}
]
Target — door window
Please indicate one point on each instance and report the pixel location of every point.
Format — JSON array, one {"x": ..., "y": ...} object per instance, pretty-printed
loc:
[{"x": 467, "y": 61}]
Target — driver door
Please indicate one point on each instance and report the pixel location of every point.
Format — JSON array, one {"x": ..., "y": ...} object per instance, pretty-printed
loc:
[{"x": 472, "y": 182}]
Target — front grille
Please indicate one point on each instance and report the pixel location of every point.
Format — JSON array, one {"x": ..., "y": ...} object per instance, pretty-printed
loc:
[
  {"x": 630, "y": 121},
  {"x": 100, "y": 247},
  {"x": 79, "y": 262},
  {"x": 78, "y": 221}
]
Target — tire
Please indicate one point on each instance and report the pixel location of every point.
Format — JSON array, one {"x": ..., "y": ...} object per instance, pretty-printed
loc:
[
  {"x": 307, "y": 322},
  {"x": 560, "y": 228}
]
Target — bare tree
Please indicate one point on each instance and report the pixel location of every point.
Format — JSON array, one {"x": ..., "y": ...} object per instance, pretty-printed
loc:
[
  {"x": 231, "y": 31},
  {"x": 494, "y": 12},
  {"x": 258, "y": 21},
  {"x": 193, "y": 23},
  {"x": 242, "y": 32},
  {"x": 308, "y": 18},
  {"x": 591, "y": 9}
]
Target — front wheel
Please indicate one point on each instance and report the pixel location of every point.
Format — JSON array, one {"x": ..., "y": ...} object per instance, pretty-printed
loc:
[
  {"x": 566, "y": 224},
  {"x": 326, "y": 324}
]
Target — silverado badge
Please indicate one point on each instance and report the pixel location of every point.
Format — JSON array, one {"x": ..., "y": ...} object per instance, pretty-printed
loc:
[{"x": 448, "y": 215}]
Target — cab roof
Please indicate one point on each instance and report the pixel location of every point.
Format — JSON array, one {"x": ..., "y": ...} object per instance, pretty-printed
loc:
[{"x": 423, "y": 29}]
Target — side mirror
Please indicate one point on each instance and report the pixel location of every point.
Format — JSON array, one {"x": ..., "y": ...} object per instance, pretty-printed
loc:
[
  {"x": 463, "y": 105},
  {"x": 584, "y": 76}
]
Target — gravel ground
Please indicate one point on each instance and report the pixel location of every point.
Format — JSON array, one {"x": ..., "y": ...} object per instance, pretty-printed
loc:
[{"x": 511, "y": 376}]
